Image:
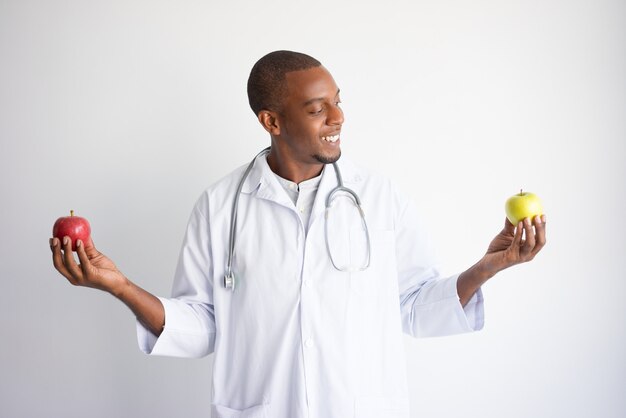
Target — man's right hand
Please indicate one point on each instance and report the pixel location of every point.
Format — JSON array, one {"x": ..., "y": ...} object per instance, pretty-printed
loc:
[
  {"x": 99, "y": 272},
  {"x": 95, "y": 269}
]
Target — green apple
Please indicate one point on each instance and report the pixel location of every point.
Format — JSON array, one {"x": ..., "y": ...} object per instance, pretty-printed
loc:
[{"x": 522, "y": 205}]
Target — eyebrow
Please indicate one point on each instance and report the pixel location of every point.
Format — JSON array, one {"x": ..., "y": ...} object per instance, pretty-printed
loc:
[{"x": 319, "y": 99}]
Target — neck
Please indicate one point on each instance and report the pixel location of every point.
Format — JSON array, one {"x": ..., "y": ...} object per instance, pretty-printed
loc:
[{"x": 291, "y": 169}]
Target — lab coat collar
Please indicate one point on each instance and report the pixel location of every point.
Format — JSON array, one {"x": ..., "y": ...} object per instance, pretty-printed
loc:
[{"x": 263, "y": 183}]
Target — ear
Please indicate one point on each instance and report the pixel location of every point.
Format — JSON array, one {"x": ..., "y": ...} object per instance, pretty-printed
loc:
[{"x": 269, "y": 121}]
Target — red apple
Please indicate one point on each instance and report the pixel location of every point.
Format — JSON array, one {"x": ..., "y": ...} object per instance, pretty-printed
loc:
[{"x": 75, "y": 227}]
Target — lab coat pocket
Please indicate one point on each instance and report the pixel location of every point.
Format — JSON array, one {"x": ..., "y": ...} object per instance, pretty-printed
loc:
[
  {"x": 257, "y": 411},
  {"x": 381, "y": 406},
  {"x": 374, "y": 246},
  {"x": 378, "y": 252}
]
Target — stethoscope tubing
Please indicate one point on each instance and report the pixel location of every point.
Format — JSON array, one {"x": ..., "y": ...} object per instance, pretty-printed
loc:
[{"x": 229, "y": 278}]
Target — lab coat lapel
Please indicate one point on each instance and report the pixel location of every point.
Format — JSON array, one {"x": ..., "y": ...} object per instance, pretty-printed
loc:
[{"x": 263, "y": 184}]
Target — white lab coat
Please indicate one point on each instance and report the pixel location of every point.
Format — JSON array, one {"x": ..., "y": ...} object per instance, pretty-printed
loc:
[{"x": 298, "y": 338}]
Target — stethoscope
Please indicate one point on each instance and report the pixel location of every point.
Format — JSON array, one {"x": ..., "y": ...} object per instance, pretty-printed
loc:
[{"x": 229, "y": 277}]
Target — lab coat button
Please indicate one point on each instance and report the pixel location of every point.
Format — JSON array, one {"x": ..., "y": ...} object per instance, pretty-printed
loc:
[
  {"x": 307, "y": 282},
  {"x": 308, "y": 343}
]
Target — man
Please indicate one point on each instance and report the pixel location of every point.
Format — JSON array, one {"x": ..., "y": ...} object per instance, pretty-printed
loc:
[{"x": 313, "y": 326}]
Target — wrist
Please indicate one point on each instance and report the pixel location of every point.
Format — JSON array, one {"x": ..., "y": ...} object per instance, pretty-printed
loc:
[
  {"x": 484, "y": 270},
  {"x": 121, "y": 288},
  {"x": 475, "y": 276}
]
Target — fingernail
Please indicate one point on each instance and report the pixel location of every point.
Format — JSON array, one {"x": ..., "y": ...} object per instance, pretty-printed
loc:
[
  {"x": 527, "y": 221},
  {"x": 54, "y": 242},
  {"x": 543, "y": 218},
  {"x": 66, "y": 240},
  {"x": 78, "y": 243}
]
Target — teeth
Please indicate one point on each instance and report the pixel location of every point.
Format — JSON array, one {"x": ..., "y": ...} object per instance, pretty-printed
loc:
[{"x": 333, "y": 138}]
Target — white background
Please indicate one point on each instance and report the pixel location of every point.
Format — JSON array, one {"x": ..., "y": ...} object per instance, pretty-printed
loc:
[{"x": 126, "y": 110}]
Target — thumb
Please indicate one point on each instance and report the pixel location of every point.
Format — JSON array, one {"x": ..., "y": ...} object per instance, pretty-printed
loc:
[
  {"x": 90, "y": 249},
  {"x": 509, "y": 228}
]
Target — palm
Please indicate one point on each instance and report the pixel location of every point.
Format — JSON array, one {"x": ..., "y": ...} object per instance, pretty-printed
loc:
[
  {"x": 101, "y": 272},
  {"x": 515, "y": 245},
  {"x": 501, "y": 251},
  {"x": 95, "y": 269}
]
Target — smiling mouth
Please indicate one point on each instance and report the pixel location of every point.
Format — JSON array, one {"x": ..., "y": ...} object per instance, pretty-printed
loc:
[{"x": 332, "y": 138}]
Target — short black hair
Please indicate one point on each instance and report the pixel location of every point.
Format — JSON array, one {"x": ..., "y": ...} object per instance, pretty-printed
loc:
[{"x": 266, "y": 84}]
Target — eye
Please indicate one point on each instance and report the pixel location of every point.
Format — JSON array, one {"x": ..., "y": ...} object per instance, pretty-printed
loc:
[{"x": 317, "y": 111}]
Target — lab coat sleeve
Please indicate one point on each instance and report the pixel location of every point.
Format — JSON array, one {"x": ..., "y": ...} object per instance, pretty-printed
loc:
[
  {"x": 429, "y": 304},
  {"x": 189, "y": 329}
]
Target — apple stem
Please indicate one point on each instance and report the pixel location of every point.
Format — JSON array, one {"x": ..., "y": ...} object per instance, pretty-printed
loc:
[
  {"x": 520, "y": 192},
  {"x": 71, "y": 213}
]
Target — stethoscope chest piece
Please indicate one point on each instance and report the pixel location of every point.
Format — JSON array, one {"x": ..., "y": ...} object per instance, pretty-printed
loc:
[{"x": 229, "y": 281}]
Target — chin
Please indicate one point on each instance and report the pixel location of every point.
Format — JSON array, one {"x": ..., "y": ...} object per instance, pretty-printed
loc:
[{"x": 327, "y": 159}]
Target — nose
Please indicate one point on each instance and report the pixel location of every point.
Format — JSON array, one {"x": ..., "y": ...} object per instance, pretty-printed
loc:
[{"x": 334, "y": 116}]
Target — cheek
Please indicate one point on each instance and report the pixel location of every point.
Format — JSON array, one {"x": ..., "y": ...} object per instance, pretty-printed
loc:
[
  {"x": 310, "y": 131},
  {"x": 303, "y": 127},
  {"x": 315, "y": 127}
]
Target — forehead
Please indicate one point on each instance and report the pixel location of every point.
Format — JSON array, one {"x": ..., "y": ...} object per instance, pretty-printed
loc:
[{"x": 312, "y": 83}]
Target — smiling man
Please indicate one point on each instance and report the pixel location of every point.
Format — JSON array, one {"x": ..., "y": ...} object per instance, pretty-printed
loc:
[
  {"x": 304, "y": 121},
  {"x": 302, "y": 270}
]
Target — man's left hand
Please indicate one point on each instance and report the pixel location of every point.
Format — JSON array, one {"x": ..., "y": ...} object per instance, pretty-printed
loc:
[{"x": 513, "y": 245}]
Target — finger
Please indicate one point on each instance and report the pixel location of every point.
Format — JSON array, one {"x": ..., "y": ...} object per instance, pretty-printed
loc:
[
  {"x": 85, "y": 264},
  {"x": 68, "y": 258},
  {"x": 57, "y": 260},
  {"x": 529, "y": 242},
  {"x": 90, "y": 249},
  {"x": 509, "y": 228},
  {"x": 540, "y": 234},
  {"x": 517, "y": 237}
]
